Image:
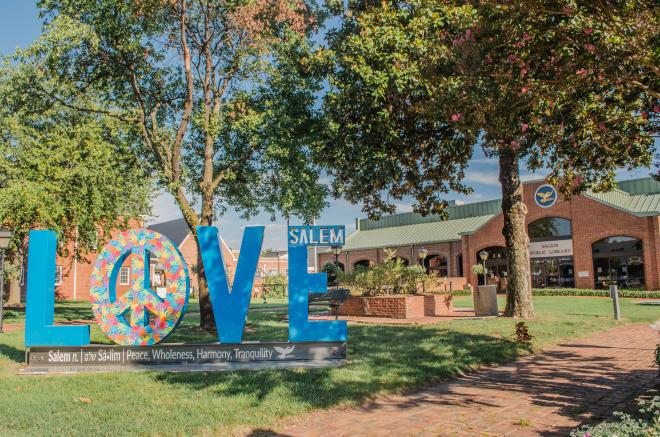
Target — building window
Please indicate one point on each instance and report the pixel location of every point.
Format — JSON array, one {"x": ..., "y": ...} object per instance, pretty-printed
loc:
[
  {"x": 553, "y": 272},
  {"x": 459, "y": 265},
  {"x": 436, "y": 264},
  {"x": 124, "y": 275},
  {"x": 58, "y": 275},
  {"x": 549, "y": 228},
  {"x": 551, "y": 253},
  {"x": 618, "y": 261}
]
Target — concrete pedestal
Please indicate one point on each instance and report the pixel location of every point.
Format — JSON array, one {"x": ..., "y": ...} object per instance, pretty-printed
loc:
[{"x": 485, "y": 301}]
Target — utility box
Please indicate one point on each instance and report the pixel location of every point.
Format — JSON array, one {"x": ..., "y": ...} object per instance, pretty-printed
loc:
[{"x": 485, "y": 301}]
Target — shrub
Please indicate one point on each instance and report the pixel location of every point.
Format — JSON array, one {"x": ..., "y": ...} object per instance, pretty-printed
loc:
[
  {"x": 522, "y": 334},
  {"x": 646, "y": 424},
  {"x": 390, "y": 277},
  {"x": 332, "y": 271},
  {"x": 275, "y": 286},
  {"x": 592, "y": 292}
]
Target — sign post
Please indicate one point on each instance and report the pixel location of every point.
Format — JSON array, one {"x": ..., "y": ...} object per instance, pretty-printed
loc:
[{"x": 614, "y": 293}]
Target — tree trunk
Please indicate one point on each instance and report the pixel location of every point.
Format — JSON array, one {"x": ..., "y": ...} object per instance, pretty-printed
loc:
[
  {"x": 206, "y": 320},
  {"x": 519, "y": 293},
  {"x": 14, "y": 293}
]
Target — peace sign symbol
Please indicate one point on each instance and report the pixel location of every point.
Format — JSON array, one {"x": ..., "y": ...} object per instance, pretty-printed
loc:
[{"x": 139, "y": 317}]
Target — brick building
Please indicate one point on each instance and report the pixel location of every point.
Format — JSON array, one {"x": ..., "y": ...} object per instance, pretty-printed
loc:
[{"x": 586, "y": 242}]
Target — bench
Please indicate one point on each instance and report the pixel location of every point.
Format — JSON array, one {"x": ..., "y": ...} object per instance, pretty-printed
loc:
[{"x": 332, "y": 298}]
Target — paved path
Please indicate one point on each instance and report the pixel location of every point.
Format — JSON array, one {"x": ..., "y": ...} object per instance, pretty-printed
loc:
[{"x": 546, "y": 394}]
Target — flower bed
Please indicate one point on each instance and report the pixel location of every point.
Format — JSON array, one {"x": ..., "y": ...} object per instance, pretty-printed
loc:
[{"x": 398, "y": 306}]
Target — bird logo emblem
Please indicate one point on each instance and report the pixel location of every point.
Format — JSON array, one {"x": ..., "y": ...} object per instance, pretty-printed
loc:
[
  {"x": 545, "y": 196},
  {"x": 284, "y": 352}
]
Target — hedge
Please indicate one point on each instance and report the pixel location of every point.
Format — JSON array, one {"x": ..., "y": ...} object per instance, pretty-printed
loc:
[{"x": 592, "y": 292}]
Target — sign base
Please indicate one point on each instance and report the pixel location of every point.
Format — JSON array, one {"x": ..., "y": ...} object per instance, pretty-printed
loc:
[{"x": 184, "y": 357}]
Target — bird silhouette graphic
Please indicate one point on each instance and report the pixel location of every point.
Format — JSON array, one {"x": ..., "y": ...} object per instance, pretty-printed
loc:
[
  {"x": 544, "y": 196},
  {"x": 284, "y": 351}
]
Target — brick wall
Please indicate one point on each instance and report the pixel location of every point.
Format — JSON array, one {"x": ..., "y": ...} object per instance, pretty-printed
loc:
[{"x": 396, "y": 307}]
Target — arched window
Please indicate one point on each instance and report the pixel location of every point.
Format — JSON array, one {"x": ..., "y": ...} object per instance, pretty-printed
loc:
[
  {"x": 549, "y": 228},
  {"x": 362, "y": 264},
  {"x": 495, "y": 262},
  {"x": 551, "y": 258},
  {"x": 618, "y": 260},
  {"x": 436, "y": 264}
]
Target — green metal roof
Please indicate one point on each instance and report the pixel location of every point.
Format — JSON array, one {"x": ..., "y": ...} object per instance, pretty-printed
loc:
[
  {"x": 454, "y": 212},
  {"x": 640, "y": 186},
  {"x": 420, "y": 233},
  {"x": 641, "y": 205}
]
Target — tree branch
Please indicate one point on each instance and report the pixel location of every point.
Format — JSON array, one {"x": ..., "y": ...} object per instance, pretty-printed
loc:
[{"x": 188, "y": 104}]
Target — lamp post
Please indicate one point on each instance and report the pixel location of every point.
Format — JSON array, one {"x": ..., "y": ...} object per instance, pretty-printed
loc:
[
  {"x": 5, "y": 237},
  {"x": 484, "y": 256},
  {"x": 336, "y": 250},
  {"x": 421, "y": 255}
]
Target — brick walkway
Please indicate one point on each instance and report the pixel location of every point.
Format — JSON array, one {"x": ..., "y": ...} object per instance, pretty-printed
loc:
[{"x": 546, "y": 394}]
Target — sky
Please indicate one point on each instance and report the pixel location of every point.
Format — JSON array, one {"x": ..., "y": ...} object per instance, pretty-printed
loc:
[{"x": 20, "y": 25}]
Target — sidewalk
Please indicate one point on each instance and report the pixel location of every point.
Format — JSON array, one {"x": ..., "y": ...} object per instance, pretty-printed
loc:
[{"x": 545, "y": 394}]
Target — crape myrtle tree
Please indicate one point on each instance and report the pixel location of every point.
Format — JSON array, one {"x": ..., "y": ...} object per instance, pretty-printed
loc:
[
  {"x": 216, "y": 91},
  {"x": 567, "y": 87},
  {"x": 63, "y": 170}
]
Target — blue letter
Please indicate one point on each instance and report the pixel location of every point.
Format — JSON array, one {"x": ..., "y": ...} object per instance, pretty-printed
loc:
[
  {"x": 301, "y": 284},
  {"x": 230, "y": 306},
  {"x": 40, "y": 305}
]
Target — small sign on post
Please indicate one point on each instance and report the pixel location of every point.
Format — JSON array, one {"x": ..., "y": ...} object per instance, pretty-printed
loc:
[{"x": 614, "y": 294}]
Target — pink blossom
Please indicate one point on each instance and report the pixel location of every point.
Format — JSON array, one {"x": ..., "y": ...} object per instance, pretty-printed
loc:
[
  {"x": 581, "y": 72},
  {"x": 513, "y": 58},
  {"x": 468, "y": 34},
  {"x": 526, "y": 36},
  {"x": 523, "y": 72},
  {"x": 590, "y": 48},
  {"x": 525, "y": 127},
  {"x": 515, "y": 145},
  {"x": 524, "y": 90},
  {"x": 656, "y": 108},
  {"x": 601, "y": 126},
  {"x": 456, "y": 117},
  {"x": 568, "y": 10},
  {"x": 588, "y": 30}
]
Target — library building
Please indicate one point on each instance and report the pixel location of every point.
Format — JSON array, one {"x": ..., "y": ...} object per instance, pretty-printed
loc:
[{"x": 589, "y": 241}]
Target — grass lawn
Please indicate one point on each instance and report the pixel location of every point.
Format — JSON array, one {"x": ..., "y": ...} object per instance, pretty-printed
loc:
[{"x": 382, "y": 359}]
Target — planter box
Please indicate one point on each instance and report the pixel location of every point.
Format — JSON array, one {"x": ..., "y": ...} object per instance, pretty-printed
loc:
[
  {"x": 438, "y": 305},
  {"x": 391, "y": 306}
]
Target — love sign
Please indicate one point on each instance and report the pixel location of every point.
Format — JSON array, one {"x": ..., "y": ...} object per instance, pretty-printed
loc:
[{"x": 140, "y": 317}]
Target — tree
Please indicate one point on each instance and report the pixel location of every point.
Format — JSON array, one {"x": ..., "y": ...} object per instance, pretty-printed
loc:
[
  {"x": 569, "y": 86},
  {"x": 73, "y": 173},
  {"x": 216, "y": 91}
]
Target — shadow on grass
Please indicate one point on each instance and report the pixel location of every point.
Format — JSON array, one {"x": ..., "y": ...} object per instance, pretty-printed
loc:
[
  {"x": 381, "y": 359},
  {"x": 12, "y": 353}
]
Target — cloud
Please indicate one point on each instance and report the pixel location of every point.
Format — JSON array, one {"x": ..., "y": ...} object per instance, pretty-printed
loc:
[
  {"x": 403, "y": 207},
  {"x": 481, "y": 177}
]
